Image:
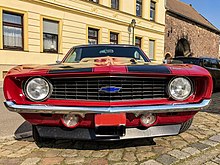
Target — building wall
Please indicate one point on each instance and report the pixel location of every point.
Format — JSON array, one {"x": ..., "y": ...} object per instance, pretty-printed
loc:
[
  {"x": 202, "y": 42},
  {"x": 75, "y": 16}
]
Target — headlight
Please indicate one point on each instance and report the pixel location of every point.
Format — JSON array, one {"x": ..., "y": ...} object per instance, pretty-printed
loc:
[
  {"x": 180, "y": 88},
  {"x": 37, "y": 89}
]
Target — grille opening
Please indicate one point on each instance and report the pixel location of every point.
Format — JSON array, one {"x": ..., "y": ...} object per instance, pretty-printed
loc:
[{"x": 131, "y": 88}]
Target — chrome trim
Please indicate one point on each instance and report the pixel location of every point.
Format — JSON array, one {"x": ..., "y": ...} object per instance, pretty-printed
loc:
[
  {"x": 155, "y": 131},
  {"x": 83, "y": 110},
  {"x": 24, "y": 88},
  {"x": 106, "y": 91},
  {"x": 191, "y": 92}
]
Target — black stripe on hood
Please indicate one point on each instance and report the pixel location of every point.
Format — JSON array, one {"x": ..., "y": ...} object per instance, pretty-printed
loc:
[
  {"x": 72, "y": 70},
  {"x": 149, "y": 69}
]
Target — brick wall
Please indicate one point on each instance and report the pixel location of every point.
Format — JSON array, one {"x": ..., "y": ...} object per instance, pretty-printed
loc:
[{"x": 202, "y": 42}]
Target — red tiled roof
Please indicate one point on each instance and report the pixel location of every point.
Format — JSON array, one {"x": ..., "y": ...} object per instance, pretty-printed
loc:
[{"x": 188, "y": 12}]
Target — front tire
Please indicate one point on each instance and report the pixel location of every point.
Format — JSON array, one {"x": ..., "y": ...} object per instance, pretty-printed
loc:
[
  {"x": 185, "y": 126},
  {"x": 214, "y": 84}
]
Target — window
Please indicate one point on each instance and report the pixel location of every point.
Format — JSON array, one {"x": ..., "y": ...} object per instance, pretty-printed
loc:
[
  {"x": 79, "y": 53},
  {"x": 139, "y": 8},
  {"x": 50, "y": 36},
  {"x": 113, "y": 38},
  {"x": 212, "y": 63},
  {"x": 138, "y": 41},
  {"x": 215, "y": 63},
  {"x": 12, "y": 31},
  {"x": 93, "y": 36},
  {"x": 151, "y": 49},
  {"x": 152, "y": 10},
  {"x": 115, "y": 4},
  {"x": 95, "y": 1},
  {"x": 207, "y": 63}
]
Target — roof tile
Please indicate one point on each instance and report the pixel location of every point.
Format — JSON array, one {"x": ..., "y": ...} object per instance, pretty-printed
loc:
[{"x": 186, "y": 10}]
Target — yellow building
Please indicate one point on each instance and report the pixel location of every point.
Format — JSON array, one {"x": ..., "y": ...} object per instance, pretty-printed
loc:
[{"x": 42, "y": 31}]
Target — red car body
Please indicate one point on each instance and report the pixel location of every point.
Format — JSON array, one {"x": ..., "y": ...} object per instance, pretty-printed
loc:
[{"x": 114, "y": 117}]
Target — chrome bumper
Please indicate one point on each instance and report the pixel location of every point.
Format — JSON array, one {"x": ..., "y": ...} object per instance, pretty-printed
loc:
[{"x": 83, "y": 110}]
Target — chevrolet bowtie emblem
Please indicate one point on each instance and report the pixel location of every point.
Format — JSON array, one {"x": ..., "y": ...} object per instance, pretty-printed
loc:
[{"x": 110, "y": 89}]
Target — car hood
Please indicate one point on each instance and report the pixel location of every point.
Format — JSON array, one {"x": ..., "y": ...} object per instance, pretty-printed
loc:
[{"x": 107, "y": 65}]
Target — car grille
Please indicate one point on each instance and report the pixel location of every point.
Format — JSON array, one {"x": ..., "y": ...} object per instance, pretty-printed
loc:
[{"x": 131, "y": 88}]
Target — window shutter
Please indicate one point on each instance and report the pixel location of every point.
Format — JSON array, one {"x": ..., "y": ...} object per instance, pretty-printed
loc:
[{"x": 50, "y": 27}]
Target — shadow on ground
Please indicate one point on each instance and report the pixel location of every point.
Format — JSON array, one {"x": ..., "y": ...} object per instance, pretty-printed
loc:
[
  {"x": 92, "y": 145},
  {"x": 24, "y": 133},
  {"x": 215, "y": 104},
  {"x": 97, "y": 145}
]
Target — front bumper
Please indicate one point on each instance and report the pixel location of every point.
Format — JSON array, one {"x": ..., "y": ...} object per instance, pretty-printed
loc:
[
  {"x": 89, "y": 134},
  {"x": 84, "y": 110}
]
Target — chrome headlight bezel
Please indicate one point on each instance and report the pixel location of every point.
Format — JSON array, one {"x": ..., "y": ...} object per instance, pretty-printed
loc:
[
  {"x": 49, "y": 92},
  {"x": 183, "y": 98}
]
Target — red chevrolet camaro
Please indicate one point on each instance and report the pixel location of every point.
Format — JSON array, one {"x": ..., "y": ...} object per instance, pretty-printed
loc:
[{"x": 107, "y": 92}]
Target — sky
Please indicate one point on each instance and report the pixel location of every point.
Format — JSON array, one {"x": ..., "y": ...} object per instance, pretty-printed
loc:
[{"x": 210, "y": 9}]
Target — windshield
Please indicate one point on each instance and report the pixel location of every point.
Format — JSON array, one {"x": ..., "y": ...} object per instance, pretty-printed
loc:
[{"x": 77, "y": 54}]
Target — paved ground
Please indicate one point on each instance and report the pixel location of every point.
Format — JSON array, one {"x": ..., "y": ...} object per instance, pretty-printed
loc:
[
  {"x": 9, "y": 122},
  {"x": 199, "y": 145}
]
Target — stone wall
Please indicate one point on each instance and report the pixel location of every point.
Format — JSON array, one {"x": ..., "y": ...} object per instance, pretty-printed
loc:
[{"x": 203, "y": 42}]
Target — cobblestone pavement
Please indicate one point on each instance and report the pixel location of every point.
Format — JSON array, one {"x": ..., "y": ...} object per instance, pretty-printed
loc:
[{"x": 199, "y": 145}]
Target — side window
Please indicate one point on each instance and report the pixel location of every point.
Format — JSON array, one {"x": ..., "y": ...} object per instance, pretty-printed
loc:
[
  {"x": 200, "y": 63},
  {"x": 74, "y": 56},
  {"x": 218, "y": 65},
  {"x": 207, "y": 63},
  {"x": 214, "y": 63}
]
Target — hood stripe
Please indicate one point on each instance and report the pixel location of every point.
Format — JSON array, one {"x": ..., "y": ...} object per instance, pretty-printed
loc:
[
  {"x": 72, "y": 70},
  {"x": 132, "y": 68},
  {"x": 149, "y": 69}
]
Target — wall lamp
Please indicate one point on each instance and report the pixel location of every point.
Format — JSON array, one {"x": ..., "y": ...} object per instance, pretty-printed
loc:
[{"x": 133, "y": 24}]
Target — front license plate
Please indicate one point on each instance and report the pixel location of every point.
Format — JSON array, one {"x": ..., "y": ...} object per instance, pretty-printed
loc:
[{"x": 110, "y": 119}]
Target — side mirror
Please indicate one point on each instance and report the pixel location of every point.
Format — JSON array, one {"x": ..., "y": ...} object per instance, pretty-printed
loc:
[
  {"x": 136, "y": 55},
  {"x": 58, "y": 62}
]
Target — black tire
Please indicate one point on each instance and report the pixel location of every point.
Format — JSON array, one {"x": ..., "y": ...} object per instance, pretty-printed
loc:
[
  {"x": 214, "y": 84},
  {"x": 185, "y": 126}
]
